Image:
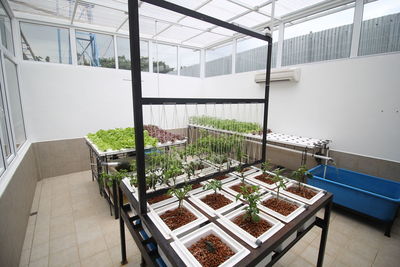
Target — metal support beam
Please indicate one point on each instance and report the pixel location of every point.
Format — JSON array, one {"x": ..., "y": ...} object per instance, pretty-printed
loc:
[
  {"x": 266, "y": 102},
  {"x": 122, "y": 24},
  {"x": 358, "y": 16},
  {"x": 137, "y": 101},
  {"x": 190, "y": 13},
  {"x": 74, "y": 11}
]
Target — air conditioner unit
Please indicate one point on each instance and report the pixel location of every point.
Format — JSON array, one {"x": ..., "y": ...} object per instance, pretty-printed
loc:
[{"x": 290, "y": 74}]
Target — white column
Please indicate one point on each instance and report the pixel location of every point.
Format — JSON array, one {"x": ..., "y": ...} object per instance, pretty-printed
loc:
[
  {"x": 280, "y": 45},
  {"x": 202, "y": 63},
  {"x": 234, "y": 44},
  {"x": 179, "y": 60},
  {"x": 72, "y": 43},
  {"x": 358, "y": 16},
  {"x": 116, "y": 52},
  {"x": 151, "y": 49}
]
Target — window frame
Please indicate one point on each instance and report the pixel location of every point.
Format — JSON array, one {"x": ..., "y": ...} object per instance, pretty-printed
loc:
[{"x": 45, "y": 25}]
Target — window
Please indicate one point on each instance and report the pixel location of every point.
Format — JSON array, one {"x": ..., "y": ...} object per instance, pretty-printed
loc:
[
  {"x": 190, "y": 62},
  {"x": 165, "y": 59},
  {"x": 4, "y": 138},
  {"x": 45, "y": 43},
  {"x": 251, "y": 54},
  {"x": 219, "y": 60},
  {"x": 324, "y": 38},
  {"x": 5, "y": 29},
  {"x": 124, "y": 54},
  {"x": 380, "y": 28},
  {"x": 15, "y": 102},
  {"x": 95, "y": 49}
]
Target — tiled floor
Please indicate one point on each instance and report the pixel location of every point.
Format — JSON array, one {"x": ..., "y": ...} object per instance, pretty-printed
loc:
[{"x": 73, "y": 227}]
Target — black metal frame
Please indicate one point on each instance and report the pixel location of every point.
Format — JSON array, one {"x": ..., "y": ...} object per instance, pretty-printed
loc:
[{"x": 138, "y": 101}]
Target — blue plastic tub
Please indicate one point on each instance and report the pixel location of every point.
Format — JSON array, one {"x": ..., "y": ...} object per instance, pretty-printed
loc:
[{"x": 373, "y": 196}]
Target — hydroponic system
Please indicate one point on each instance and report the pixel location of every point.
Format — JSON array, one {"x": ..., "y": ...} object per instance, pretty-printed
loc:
[{"x": 192, "y": 194}]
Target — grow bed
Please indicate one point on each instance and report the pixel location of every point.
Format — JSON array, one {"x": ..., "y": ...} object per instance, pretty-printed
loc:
[
  {"x": 370, "y": 195},
  {"x": 269, "y": 248}
]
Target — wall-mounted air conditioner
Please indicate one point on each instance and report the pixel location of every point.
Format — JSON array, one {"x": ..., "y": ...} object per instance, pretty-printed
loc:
[{"x": 289, "y": 74}]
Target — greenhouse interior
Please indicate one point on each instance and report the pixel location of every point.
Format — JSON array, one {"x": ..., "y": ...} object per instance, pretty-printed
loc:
[{"x": 200, "y": 133}]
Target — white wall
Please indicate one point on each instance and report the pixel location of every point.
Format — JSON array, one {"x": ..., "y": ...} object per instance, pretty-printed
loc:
[
  {"x": 354, "y": 102},
  {"x": 63, "y": 101}
]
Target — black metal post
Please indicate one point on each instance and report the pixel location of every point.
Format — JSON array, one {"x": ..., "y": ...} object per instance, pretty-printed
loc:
[
  {"x": 115, "y": 199},
  {"x": 122, "y": 228},
  {"x": 133, "y": 10},
  {"x": 324, "y": 234},
  {"x": 265, "y": 122}
]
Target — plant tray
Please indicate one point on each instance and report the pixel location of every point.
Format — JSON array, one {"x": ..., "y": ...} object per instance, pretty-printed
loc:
[
  {"x": 209, "y": 210},
  {"x": 320, "y": 193},
  {"x": 245, "y": 236},
  {"x": 181, "y": 246},
  {"x": 246, "y": 173},
  {"x": 165, "y": 230},
  {"x": 288, "y": 218}
]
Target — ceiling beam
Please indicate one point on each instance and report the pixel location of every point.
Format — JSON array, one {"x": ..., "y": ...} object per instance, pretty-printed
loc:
[
  {"x": 179, "y": 20},
  {"x": 229, "y": 20},
  {"x": 254, "y": 9}
]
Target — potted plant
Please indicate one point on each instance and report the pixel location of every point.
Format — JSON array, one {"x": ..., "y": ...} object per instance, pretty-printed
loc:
[
  {"x": 301, "y": 191},
  {"x": 248, "y": 223},
  {"x": 263, "y": 177},
  {"x": 209, "y": 246},
  {"x": 279, "y": 181},
  {"x": 179, "y": 216},
  {"x": 214, "y": 200}
]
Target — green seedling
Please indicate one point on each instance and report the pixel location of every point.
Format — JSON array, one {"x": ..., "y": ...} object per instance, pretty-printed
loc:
[
  {"x": 279, "y": 181},
  {"x": 180, "y": 193},
  {"x": 213, "y": 185},
  {"x": 265, "y": 166},
  {"x": 301, "y": 175},
  {"x": 252, "y": 195}
]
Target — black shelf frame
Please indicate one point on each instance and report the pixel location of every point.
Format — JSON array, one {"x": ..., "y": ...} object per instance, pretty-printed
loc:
[
  {"x": 140, "y": 205},
  {"x": 139, "y": 100}
]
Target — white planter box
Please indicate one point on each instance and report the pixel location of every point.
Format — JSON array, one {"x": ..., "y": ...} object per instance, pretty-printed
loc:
[
  {"x": 165, "y": 230},
  {"x": 265, "y": 261},
  {"x": 227, "y": 186},
  {"x": 181, "y": 246},
  {"x": 307, "y": 223},
  {"x": 285, "y": 243},
  {"x": 320, "y": 193},
  {"x": 288, "y": 218},
  {"x": 210, "y": 211},
  {"x": 245, "y": 236},
  {"x": 163, "y": 257}
]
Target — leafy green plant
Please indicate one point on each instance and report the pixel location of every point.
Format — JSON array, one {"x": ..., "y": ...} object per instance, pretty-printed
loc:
[
  {"x": 219, "y": 160},
  {"x": 265, "y": 166},
  {"x": 119, "y": 138},
  {"x": 252, "y": 195},
  {"x": 213, "y": 185},
  {"x": 226, "y": 124},
  {"x": 180, "y": 193},
  {"x": 117, "y": 176},
  {"x": 190, "y": 168},
  {"x": 240, "y": 170},
  {"x": 279, "y": 181},
  {"x": 301, "y": 175},
  {"x": 172, "y": 170}
]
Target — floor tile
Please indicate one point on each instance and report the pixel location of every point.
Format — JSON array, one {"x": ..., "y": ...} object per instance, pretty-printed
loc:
[
  {"x": 65, "y": 257},
  {"x": 101, "y": 259},
  {"x": 92, "y": 247}
]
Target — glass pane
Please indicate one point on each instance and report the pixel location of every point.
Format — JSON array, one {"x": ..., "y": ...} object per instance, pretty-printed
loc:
[
  {"x": 5, "y": 29},
  {"x": 380, "y": 29},
  {"x": 124, "y": 54},
  {"x": 45, "y": 43},
  {"x": 5, "y": 139},
  {"x": 190, "y": 62},
  {"x": 165, "y": 59},
  {"x": 324, "y": 38},
  {"x": 95, "y": 49},
  {"x": 251, "y": 54},
  {"x": 15, "y": 102},
  {"x": 219, "y": 60}
]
